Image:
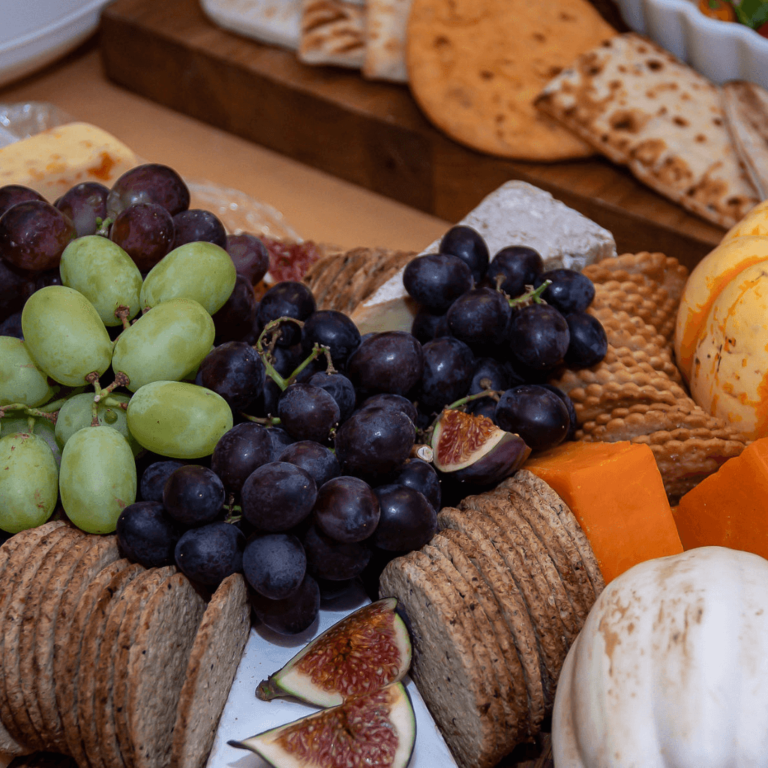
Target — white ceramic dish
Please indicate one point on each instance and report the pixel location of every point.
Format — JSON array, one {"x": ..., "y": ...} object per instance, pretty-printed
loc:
[
  {"x": 34, "y": 33},
  {"x": 719, "y": 50}
]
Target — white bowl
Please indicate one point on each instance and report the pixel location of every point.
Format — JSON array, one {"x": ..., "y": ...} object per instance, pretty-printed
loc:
[
  {"x": 34, "y": 33},
  {"x": 719, "y": 50}
]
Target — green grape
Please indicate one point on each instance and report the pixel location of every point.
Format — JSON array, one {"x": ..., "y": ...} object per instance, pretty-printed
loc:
[
  {"x": 28, "y": 482},
  {"x": 64, "y": 335},
  {"x": 21, "y": 381},
  {"x": 11, "y": 425},
  {"x": 192, "y": 375},
  {"x": 178, "y": 420},
  {"x": 77, "y": 413},
  {"x": 104, "y": 273},
  {"x": 164, "y": 344},
  {"x": 200, "y": 271},
  {"x": 97, "y": 480}
]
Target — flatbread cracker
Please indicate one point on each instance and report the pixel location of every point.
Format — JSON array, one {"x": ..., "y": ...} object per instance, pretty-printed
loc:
[
  {"x": 332, "y": 32},
  {"x": 476, "y": 66},
  {"x": 643, "y": 108},
  {"x": 276, "y": 22},
  {"x": 386, "y": 26}
]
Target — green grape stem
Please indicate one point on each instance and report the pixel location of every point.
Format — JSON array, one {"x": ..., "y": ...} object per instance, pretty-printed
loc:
[
  {"x": 317, "y": 350},
  {"x": 102, "y": 226},
  {"x": 267, "y": 421},
  {"x": 531, "y": 296},
  {"x": 122, "y": 313},
  {"x": 28, "y": 412},
  {"x": 121, "y": 380},
  {"x": 271, "y": 329}
]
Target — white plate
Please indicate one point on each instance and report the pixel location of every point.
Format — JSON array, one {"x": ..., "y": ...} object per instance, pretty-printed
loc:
[
  {"x": 719, "y": 50},
  {"x": 34, "y": 33}
]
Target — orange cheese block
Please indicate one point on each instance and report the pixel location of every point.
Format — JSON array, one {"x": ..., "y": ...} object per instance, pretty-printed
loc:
[
  {"x": 616, "y": 493},
  {"x": 729, "y": 508}
]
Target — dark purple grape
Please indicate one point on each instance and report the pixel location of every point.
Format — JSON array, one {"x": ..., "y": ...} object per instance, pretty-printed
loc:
[
  {"x": 588, "y": 344},
  {"x": 285, "y": 360},
  {"x": 86, "y": 205},
  {"x": 293, "y": 615},
  {"x": 194, "y": 495},
  {"x": 393, "y": 402},
  {"x": 145, "y": 232},
  {"x": 277, "y": 496},
  {"x": 572, "y": 418},
  {"x": 483, "y": 406},
  {"x": 448, "y": 366},
  {"x": 274, "y": 564},
  {"x": 239, "y": 452},
  {"x": 346, "y": 509},
  {"x": 469, "y": 246},
  {"x": 270, "y": 398},
  {"x": 279, "y": 440},
  {"x": 154, "y": 478},
  {"x": 234, "y": 371},
  {"x": 436, "y": 280},
  {"x": 427, "y": 326},
  {"x": 149, "y": 183},
  {"x": 307, "y": 412},
  {"x": 391, "y": 362},
  {"x": 315, "y": 459},
  {"x": 519, "y": 266},
  {"x": 422, "y": 477},
  {"x": 536, "y": 414},
  {"x": 13, "y": 194},
  {"x": 234, "y": 321},
  {"x": 11, "y": 326},
  {"x": 334, "y": 560},
  {"x": 408, "y": 521},
  {"x": 332, "y": 590},
  {"x": 33, "y": 235},
  {"x": 488, "y": 374},
  {"x": 538, "y": 337},
  {"x": 479, "y": 318},
  {"x": 51, "y": 277},
  {"x": 250, "y": 256},
  {"x": 196, "y": 225},
  {"x": 333, "y": 330},
  {"x": 147, "y": 534},
  {"x": 207, "y": 555},
  {"x": 570, "y": 291},
  {"x": 16, "y": 287},
  {"x": 374, "y": 441},
  {"x": 340, "y": 388},
  {"x": 287, "y": 299}
]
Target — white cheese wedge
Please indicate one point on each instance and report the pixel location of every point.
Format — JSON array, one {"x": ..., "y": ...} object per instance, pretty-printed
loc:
[
  {"x": 515, "y": 214},
  {"x": 55, "y": 160},
  {"x": 275, "y": 22}
]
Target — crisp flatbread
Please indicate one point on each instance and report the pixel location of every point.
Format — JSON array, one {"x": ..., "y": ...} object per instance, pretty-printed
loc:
[
  {"x": 332, "y": 32},
  {"x": 386, "y": 26},
  {"x": 476, "y": 66},
  {"x": 746, "y": 111},
  {"x": 276, "y": 22},
  {"x": 643, "y": 108}
]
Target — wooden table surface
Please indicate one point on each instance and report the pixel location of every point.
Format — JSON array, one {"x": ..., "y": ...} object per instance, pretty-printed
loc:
[{"x": 318, "y": 206}]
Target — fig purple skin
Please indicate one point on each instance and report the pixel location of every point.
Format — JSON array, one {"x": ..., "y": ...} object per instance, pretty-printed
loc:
[{"x": 504, "y": 460}]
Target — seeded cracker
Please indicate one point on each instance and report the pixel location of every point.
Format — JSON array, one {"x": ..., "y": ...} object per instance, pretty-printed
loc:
[{"x": 643, "y": 108}]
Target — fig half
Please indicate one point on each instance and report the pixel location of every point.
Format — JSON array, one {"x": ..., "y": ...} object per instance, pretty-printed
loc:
[
  {"x": 377, "y": 728},
  {"x": 363, "y": 652},
  {"x": 474, "y": 449}
]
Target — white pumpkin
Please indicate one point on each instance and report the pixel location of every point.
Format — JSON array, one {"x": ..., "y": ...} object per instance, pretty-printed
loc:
[{"x": 671, "y": 668}]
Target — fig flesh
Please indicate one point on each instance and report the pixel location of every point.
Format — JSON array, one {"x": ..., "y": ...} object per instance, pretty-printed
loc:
[
  {"x": 474, "y": 449},
  {"x": 377, "y": 728},
  {"x": 363, "y": 652}
]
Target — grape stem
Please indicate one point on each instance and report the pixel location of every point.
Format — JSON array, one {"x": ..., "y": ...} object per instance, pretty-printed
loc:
[
  {"x": 317, "y": 350},
  {"x": 271, "y": 329},
  {"x": 121, "y": 380},
  {"x": 28, "y": 411},
  {"x": 102, "y": 226},
  {"x": 531, "y": 296},
  {"x": 122, "y": 313},
  {"x": 267, "y": 421},
  {"x": 234, "y": 512}
]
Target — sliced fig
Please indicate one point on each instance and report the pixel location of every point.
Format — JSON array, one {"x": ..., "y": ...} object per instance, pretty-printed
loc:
[
  {"x": 374, "y": 729},
  {"x": 474, "y": 449},
  {"x": 363, "y": 652}
]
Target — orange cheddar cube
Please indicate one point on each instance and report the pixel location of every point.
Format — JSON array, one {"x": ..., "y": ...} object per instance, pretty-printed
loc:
[
  {"x": 729, "y": 508},
  {"x": 616, "y": 493}
]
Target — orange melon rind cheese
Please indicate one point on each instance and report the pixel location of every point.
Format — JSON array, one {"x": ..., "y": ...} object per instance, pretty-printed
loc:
[
  {"x": 617, "y": 494},
  {"x": 728, "y": 508},
  {"x": 707, "y": 281},
  {"x": 754, "y": 223}
]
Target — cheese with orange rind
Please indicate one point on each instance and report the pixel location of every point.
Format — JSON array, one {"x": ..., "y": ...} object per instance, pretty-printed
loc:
[
  {"x": 617, "y": 494},
  {"x": 754, "y": 223}
]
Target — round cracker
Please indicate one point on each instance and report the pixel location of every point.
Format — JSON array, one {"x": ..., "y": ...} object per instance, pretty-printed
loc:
[{"x": 476, "y": 66}]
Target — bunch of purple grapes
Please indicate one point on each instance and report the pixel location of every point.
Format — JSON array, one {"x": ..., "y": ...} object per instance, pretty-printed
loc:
[{"x": 504, "y": 327}]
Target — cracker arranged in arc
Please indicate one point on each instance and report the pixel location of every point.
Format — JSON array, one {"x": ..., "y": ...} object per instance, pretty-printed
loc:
[
  {"x": 332, "y": 32},
  {"x": 476, "y": 66},
  {"x": 213, "y": 662},
  {"x": 643, "y": 108}
]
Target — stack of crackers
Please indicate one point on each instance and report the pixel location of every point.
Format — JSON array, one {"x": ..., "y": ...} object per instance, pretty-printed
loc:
[
  {"x": 636, "y": 393},
  {"x": 494, "y": 601},
  {"x": 107, "y": 661}
]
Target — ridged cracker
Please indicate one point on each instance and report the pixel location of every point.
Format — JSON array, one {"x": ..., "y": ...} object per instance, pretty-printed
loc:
[
  {"x": 213, "y": 663},
  {"x": 55, "y": 652},
  {"x": 157, "y": 666}
]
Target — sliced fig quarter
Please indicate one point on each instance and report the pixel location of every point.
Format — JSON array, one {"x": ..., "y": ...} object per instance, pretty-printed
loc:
[
  {"x": 374, "y": 729},
  {"x": 362, "y": 653}
]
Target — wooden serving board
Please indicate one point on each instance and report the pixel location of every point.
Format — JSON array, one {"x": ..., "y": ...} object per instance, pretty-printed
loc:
[{"x": 370, "y": 133}]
